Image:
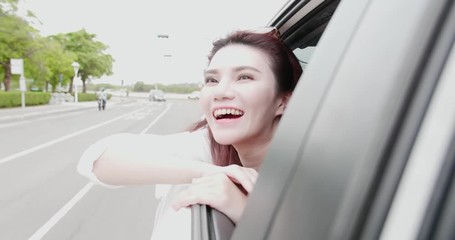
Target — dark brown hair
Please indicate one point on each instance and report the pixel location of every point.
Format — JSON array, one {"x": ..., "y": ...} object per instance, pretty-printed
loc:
[{"x": 284, "y": 65}]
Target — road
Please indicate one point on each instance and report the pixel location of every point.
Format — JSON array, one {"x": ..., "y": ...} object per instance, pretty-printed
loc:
[{"x": 43, "y": 197}]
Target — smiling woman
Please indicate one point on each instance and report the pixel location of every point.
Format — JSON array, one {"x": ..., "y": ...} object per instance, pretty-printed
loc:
[{"x": 248, "y": 82}]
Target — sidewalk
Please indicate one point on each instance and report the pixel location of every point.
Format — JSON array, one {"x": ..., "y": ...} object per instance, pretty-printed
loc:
[{"x": 19, "y": 113}]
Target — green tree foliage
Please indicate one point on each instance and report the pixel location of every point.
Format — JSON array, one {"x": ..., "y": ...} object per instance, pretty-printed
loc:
[
  {"x": 140, "y": 87},
  {"x": 180, "y": 87},
  {"x": 90, "y": 54},
  {"x": 171, "y": 88},
  {"x": 16, "y": 38},
  {"x": 100, "y": 86},
  {"x": 51, "y": 62},
  {"x": 48, "y": 59},
  {"x": 8, "y": 6}
]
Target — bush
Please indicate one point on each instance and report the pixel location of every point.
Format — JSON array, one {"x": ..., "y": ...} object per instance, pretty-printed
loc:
[
  {"x": 86, "y": 97},
  {"x": 13, "y": 99}
]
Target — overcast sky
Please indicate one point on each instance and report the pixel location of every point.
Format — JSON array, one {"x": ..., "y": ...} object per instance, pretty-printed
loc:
[{"x": 130, "y": 29}]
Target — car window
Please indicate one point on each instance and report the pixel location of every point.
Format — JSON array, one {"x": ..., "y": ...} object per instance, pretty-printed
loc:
[
  {"x": 302, "y": 37},
  {"x": 304, "y": 55}
]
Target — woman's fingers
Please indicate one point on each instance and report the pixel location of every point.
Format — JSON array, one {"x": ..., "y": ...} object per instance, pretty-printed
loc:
[
  {"x": 210, "y": 190},
  {"x": 218, "y": 191},
  {"x": 193, "y": 195},
  {"x": 244, "y": 176},
  {"x": 241, "y": 175}
]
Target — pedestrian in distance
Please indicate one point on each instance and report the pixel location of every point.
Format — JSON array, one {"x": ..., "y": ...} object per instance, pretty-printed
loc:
[
  {"x": 102, "y": 99},
  {"x": 248, "y": 82}
]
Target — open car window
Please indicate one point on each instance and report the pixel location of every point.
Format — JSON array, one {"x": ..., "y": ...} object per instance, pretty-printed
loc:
[
  {"x": 342, "y": 157},
  {"x": 304, "y": 55},
  {"x": 301, "y": 24}
]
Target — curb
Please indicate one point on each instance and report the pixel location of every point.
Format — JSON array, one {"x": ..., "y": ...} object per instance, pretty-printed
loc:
[{"x": 19, "y": 114}]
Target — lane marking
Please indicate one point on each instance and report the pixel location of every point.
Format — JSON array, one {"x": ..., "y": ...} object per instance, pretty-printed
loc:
[
  {"x": 60, "y": 116},
  {"x": 78, "y": 111},
  {"x": 69, "y": 205},
  {"x": 156, "y": 119},
  {"x": 52, "y": 142},
  {"x": 62, "y": 212},
  {"x": 5, "y": 125},
  {"x": 22, "y": 119}
]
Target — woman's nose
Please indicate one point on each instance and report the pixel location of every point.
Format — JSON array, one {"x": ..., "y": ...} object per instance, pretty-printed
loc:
[{"x": 223, "y": 91}]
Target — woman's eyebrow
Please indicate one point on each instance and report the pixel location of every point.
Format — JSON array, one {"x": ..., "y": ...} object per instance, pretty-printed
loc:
[
  {"x": 235, "y": 69},
  {"x": 241, "y": 68},
  {"x": 210, "y": 71}
]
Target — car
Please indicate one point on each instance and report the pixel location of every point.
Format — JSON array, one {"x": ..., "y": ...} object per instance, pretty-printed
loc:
[
  {"x": 365, "y": 149},
  {"x": 194, "y": 95},
  {"x": 156, "y": 96}
]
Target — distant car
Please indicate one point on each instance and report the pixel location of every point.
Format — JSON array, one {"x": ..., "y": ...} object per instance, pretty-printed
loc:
[
  {"x": 156, "y": 96},
  {"x": 194, "y": 95}
]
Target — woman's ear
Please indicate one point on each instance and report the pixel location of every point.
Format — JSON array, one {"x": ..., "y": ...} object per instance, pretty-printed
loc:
[{"x": 283, "y": 102}]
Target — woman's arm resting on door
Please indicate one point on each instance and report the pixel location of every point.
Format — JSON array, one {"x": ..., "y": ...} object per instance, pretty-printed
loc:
[{"x": 143, "y": 159}]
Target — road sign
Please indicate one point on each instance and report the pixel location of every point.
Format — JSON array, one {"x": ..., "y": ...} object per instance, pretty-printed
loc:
[{"x": 17, "y": 66}]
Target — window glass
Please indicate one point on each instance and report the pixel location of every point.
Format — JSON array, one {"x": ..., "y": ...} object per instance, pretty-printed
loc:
[{"x": 304, "y": 55}]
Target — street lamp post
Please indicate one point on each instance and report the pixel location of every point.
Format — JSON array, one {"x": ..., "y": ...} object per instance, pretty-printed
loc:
[
  {"x": 163, "y": 58},
  {"x": 76, "y": 69}
]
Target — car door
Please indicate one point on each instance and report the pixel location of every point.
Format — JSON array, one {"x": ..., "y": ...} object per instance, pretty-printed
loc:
[{"x": 342, "y": 164}]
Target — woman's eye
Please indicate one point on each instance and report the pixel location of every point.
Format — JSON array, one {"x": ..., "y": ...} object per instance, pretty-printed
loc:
[
  {"x": 210, "y": 80},
  {"x": 245, "y": 77}
]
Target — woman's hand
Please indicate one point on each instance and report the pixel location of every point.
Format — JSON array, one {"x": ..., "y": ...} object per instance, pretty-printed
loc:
[
  {"x": 219, "y": 191},
  {"x": 246, "y": 177}
]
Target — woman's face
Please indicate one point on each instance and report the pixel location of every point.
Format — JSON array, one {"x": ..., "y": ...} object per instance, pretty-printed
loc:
[{"x": 239, "y": 98}]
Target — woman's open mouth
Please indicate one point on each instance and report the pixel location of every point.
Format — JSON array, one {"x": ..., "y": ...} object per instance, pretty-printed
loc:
[{"x": 226, "y": 114}]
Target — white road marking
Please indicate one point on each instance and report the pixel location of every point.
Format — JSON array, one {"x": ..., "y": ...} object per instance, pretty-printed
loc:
[
  {"x": 47, "y": 144},
  {"x": 135, "y": 118},
  {"x": 66, "y": 115},
  {"x": 139, "y": 115},
  {"x": 156, "y": 119},
  {"x": 69, "y": 205},
  {"x": 5, "y": 125},
  {"x": 61, "y": 213}
]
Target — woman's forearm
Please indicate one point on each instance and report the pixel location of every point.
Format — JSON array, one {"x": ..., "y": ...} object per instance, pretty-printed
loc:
[{"x": 117, "y": 166}]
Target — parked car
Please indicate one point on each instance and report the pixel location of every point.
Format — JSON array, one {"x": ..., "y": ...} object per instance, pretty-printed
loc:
[
  {"x": 194, "y": 95},
  {"x": 365, "y": 149},
  {"x": 156, "y": 96}
]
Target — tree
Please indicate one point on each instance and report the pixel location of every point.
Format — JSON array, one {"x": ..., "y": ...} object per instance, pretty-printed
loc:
[
  {"x": 90, "y": 54},
  {"x": 49, "y": 62},
  {"x": 8, "y": 6},
  {"x": 16, "y": 38},
  {"x": 139, "y": 87}
]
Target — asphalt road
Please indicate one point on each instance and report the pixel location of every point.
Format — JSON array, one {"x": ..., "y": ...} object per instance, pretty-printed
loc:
[{"x": 43, "y": 197}]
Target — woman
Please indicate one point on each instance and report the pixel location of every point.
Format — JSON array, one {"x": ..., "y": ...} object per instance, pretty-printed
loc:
[{"x": 248, "y": 82}]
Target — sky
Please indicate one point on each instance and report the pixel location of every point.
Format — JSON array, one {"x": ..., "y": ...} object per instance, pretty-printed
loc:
[{"x": 131, "y": 28}]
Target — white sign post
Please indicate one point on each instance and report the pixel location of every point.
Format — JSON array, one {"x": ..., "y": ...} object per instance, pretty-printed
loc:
[
  {"x": 76, "y": 69},
  {"x": 17, "y": 67}
]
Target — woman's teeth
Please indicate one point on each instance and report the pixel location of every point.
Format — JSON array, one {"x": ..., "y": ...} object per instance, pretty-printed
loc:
[{"x": 223, "y": 112}]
